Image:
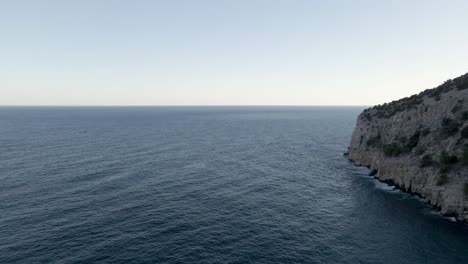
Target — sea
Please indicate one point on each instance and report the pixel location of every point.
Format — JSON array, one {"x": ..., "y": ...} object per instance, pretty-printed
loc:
[{"x": 203, "y": 185}]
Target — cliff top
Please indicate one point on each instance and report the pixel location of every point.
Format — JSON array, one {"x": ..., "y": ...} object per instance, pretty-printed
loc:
[{"x": 387, "y": 110}]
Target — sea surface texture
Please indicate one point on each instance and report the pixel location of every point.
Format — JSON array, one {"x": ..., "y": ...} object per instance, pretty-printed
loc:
[{"x": 203, "y": 185}]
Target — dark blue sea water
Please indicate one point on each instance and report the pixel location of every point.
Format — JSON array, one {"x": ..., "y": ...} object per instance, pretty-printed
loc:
[{"x": 203, "y": 185}]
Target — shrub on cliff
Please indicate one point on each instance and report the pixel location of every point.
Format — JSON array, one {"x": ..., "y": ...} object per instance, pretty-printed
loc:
[
  {"x": 462, "y": 84},
  {"x": 366, "y": 115},
  {"x": 414, "y": 140},
  {"x": 426, "y": 131},
  {"x": 402, "y": 139},
  {"x": 445, "y": 158},
  {"x": 457, "y": 108},
  {"x": 392, "y": 150},
  {"x": 465, "y": 155},
  {"x": 464, "y": 132},
  {"x": 374, "y": 141},
  {"x": 426, "y": 161},
  {"x": 443, "y": 179},
  {"x": 420, "y": 150},
  {"x": 444, "y": 168},
  {"x": 450, "y": 126},
  {"x": 464, "y": 115}
]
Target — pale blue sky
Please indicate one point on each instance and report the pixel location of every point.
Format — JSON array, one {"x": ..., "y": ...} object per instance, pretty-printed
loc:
[{"x": 200, "y": 52}]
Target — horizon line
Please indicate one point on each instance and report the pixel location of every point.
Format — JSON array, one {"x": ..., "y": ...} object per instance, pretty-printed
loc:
[{"x": 200, "y": 105}]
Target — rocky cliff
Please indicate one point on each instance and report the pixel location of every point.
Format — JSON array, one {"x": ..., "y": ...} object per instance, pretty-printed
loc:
[{"x": 420, "y": 144}]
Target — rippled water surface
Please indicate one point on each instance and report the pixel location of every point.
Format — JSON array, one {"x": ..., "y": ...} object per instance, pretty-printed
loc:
[{"x": 203, "y": 185}]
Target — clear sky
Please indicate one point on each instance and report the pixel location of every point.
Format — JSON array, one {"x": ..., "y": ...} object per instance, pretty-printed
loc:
[{"x": 237, "y": 52}]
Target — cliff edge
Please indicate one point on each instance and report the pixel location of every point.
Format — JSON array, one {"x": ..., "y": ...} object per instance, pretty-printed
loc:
[{"x": 420, "y": 144}]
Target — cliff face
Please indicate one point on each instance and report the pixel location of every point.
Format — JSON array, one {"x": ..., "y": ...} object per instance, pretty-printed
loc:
[{"x": 420, "y": 144}]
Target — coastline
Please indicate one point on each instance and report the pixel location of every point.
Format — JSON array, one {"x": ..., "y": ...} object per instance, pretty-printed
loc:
[{"x": 390, "y": 182}]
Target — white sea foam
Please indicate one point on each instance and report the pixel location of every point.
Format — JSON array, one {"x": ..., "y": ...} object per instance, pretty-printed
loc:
[
  {"x": 383, "y": 186},
  {"x": 453, "y": 219},
  {"x": 432, "y": 211}
]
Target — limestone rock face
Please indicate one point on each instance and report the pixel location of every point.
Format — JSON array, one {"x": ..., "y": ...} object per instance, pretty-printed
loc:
[{"x": 420, "y": 144}]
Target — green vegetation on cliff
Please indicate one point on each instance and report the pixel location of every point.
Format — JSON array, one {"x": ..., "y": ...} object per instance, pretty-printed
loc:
[{"x": 388, "y": 110}]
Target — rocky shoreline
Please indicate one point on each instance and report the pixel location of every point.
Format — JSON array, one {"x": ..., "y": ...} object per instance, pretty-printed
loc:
[
  {"x": 420, "y": 145},
  {"x": 392, "y": 183}
]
